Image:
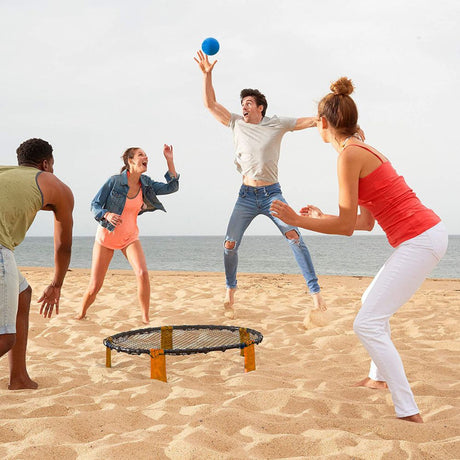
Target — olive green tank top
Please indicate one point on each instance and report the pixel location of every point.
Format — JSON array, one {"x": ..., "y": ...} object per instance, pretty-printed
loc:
[{"x": 20, "y": 200}]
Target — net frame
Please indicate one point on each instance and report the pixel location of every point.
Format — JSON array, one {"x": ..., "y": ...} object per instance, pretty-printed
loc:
[{"x": 244, "y": 337}]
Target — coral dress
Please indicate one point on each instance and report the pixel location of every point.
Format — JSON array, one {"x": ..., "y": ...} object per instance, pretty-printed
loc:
[{"x": 125, "y": 233}]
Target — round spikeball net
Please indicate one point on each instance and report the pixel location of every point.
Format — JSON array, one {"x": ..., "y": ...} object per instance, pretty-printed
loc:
[{"x": 183, "y": 340}]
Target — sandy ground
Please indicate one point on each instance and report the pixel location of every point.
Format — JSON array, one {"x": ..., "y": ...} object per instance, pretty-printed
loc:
[{"x": 299, "y": 402}]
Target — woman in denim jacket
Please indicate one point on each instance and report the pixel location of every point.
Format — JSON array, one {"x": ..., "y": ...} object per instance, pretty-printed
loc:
[{"x": 116, "y": 207}]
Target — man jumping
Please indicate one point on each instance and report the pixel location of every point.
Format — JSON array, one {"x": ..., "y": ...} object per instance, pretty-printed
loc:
[{"x": 257, "y": 144}]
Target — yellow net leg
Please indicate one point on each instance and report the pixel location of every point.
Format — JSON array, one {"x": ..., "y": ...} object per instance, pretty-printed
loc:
[
  {"x": 249, "y": 359},
  {"x": 166, "y": 338},
  {"x": 108, "y": 357},
  {"x": 158, "y": 365},
  {"x": 244, "y": 338}
]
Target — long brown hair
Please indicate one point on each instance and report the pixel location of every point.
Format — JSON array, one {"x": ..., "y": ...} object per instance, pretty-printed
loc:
[
  {"x": 129, "y": 153},
  {"x": 339, "y": 108}
]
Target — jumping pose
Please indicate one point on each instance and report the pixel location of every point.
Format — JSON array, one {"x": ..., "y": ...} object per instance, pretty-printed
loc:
[
  {"x": 24, "y": 190},
  {"x": 257, "y": 144},
  {"x": 368, "y": 180},
  {"x": 116, "y": 207}
]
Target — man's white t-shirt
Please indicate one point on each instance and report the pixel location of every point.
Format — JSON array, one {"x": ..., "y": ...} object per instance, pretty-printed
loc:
[{"x": 257, "y": 146}]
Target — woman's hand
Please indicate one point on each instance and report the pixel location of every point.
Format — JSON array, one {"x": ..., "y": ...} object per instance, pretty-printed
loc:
[
  {"x": 114, "y": 219},
  {"x": 284, "y": 212},
  {"x": 203, "y": 62},
  {"x": 168, "y": 152},
  {"x": 311, "y": 211}
]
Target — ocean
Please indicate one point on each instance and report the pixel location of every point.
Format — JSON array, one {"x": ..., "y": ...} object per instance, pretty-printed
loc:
[{"x": 360, "y": 255}]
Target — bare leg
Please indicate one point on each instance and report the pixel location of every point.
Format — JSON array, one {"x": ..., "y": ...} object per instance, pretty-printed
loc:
[
  {"x": 370, "y": 383},
  {"x": 6, "y": 343},
  {"x": 136, "y": 258},
  {"x": 229, "y": 301},
  {"x": 99, "y": 266},
  {"x": 19, "y": 378}
]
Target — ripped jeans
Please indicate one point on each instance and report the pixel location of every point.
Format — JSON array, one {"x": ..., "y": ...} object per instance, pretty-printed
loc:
[{"x": 251, "y": 202}]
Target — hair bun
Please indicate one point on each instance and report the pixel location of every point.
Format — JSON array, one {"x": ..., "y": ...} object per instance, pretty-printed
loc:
[{"x": 343, "y": 86}]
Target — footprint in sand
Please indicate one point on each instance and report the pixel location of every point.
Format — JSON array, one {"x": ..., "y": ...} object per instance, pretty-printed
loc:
[{"x": 317, "y": 318}]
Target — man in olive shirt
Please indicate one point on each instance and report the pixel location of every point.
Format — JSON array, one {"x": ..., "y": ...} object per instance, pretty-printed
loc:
[{"x": 24, "y": 190}]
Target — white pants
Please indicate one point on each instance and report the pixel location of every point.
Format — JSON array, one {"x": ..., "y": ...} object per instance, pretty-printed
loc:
[{"x": 396, "y": 282}]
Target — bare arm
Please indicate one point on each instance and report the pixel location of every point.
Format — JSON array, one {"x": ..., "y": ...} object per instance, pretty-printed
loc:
[
  {"x": 57, "y": 197},
  {"x": 168, "y": 153},
  {"x": 365, "y": 220},
  {"x": 219, "y": 112},
  {"x": 305, "y": 122},
  {"x": 347, "y": 221}
]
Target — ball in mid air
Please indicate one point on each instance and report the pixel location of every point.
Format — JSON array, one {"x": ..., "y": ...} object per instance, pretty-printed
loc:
[{"x": 210, "y": 46}]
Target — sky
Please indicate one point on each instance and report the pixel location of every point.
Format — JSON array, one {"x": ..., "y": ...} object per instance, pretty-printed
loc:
[{"x": 96, "y": 77}]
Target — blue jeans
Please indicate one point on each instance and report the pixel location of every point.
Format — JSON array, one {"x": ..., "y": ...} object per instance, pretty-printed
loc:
[{"x": 251, "y": 202}]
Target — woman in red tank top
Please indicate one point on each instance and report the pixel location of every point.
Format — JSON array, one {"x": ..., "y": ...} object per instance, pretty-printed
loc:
[{"x": 370, "y": 189}]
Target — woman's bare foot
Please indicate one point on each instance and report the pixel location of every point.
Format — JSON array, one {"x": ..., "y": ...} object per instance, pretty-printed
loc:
[
  {"x": 80, "y": 316},
  {"x": 24, "y": 383},
  {"x": 417, "y": 418},
  {"x": 319, "y": 302},
  {"x": 145, "y": 320},
  {"x": 370, "y": 383},
  {"x": 229, "y": 301}
]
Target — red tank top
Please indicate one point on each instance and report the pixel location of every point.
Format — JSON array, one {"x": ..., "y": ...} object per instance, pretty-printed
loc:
[{"x": 394, "y": 204}]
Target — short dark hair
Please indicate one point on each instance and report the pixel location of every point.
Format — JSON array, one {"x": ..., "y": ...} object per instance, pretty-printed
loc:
[
  {"x": 257, "y": 95},
  {"x": 34, "y": 151}
]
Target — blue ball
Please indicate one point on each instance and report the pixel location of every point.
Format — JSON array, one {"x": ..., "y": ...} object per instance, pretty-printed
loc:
[{"x": 210, "y": 46}]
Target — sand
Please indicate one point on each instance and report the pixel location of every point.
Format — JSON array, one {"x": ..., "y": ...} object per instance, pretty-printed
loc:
[{"x": 299, "y": 402}]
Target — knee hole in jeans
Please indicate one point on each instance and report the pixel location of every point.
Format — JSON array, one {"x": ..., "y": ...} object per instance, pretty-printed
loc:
[
  {"x": 229, "y": 244},
  {"x": 292, "y": 235}
]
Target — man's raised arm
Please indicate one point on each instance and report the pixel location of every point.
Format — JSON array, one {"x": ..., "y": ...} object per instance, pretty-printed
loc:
[{"x": 219, "y": 112}]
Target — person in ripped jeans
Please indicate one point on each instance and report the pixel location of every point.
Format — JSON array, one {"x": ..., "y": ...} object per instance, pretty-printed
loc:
[{"x": 257, "y": 144}]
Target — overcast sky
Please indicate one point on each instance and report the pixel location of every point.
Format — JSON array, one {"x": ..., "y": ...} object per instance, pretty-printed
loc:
[{"x": 96, "y": 77}]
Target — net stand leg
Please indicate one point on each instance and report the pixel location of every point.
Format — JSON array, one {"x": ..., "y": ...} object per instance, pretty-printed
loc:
[
  {"x": 108, "y": 357},
  {"x": 249, "y": 358},
  {"x": 166, "y": 337},
  {"x": 244, "y": 338},
  {"x": 158, "y": 365}
]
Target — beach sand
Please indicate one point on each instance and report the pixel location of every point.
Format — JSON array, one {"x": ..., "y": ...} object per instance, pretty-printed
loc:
[{"x": 299, "y": 402}]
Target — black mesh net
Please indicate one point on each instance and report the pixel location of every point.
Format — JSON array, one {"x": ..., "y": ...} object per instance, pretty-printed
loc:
[{"x": 183, "y": 340}]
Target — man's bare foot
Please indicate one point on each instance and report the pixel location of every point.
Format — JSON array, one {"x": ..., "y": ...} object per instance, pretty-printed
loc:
[
  {"x": 25, "y": 383},
  {"x": 80, "y": 316},
  {"x": 370, "y": 383},
  {"x": 145, "y": 320},
  {"x": 319, "y": 302},
  {"x": 417, "y": 418},
  {"x": 229, "y": 310}
]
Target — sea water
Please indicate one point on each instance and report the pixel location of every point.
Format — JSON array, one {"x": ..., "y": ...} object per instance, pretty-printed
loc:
[{"x": 359, "y": 255}]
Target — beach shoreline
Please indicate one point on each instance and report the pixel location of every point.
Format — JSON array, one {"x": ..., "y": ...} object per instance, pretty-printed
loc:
[{"x": 298, "y": 403}]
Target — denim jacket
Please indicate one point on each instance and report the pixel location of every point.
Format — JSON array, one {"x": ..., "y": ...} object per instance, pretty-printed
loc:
[{"x": 112, "y": 196}]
